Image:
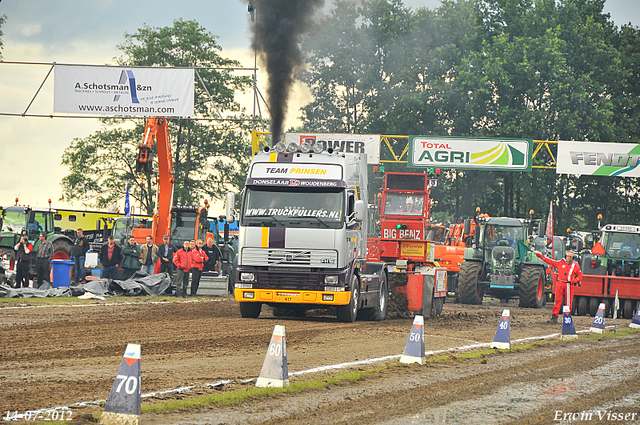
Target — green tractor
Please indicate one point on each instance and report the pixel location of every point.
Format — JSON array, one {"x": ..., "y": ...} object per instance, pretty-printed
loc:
[
  {"x": 501, "y": 264},
  {"x": 19, "y": 220}
]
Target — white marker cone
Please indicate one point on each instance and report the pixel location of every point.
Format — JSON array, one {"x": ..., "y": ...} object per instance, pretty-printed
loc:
[
  {"x": 275, "y": 371},
  {"x": 502, "y": 339},
  {"x": 635, "y": 322},
  {"x": 414, "y": 348},
  {"x": 568, "y": 329},
  {"x": 597, "y": 326},
  {"x": 123, "y": 405}
]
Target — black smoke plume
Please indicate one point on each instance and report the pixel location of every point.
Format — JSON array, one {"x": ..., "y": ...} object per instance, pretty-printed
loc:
[{"x": 278, "y": 27}]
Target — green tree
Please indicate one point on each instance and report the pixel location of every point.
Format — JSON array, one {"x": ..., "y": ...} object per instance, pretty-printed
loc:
[
  {"x": 536, "y": 69},
  {"x": 210, "y": 156}
]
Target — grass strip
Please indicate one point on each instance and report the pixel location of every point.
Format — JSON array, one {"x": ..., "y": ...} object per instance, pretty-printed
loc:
[{"x": 234, "y": 398}]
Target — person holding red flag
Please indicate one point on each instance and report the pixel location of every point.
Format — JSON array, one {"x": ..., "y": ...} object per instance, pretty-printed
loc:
[{"x": 568, "y": 272}]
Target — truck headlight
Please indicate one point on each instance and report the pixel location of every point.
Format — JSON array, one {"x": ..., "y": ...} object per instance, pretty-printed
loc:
[
  {"x": 249, "y": 295},
  {"x": 331, "y": 280},
  {"x": 247, "y": 277}
]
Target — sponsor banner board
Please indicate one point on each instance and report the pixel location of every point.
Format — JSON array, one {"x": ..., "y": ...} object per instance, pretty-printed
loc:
[
  {"x": 412, "y": 249},
  {"x": 598, "y": 159},
  {"x": 348, "y": 143},
  {"x": 296, "y": 171},
  {"x": 97, "y": 90},
  {"x": 470, "y": 153}
]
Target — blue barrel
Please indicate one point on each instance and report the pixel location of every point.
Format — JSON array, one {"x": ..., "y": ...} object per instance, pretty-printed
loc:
[{"x": 61, "y": 272}]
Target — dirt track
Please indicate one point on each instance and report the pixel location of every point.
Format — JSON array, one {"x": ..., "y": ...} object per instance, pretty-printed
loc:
[{"x": 61, "y": 355}]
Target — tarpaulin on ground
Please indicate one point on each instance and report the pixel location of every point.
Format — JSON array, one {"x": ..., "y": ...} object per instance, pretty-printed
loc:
[{"x": 140, "y": 284}]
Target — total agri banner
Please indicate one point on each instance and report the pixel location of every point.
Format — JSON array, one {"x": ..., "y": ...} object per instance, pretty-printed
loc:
[
  {"x": 470, "y": 153},
  {"x": 598, "y": 159},
  {"x": 123, "y": 91},
  {"x": 340, "y": 142}
]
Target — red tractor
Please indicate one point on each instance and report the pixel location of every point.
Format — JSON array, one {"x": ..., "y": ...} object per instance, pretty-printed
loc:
[
  {"x": 612, "y": 266},
  {"x": 416, "y": 283}
]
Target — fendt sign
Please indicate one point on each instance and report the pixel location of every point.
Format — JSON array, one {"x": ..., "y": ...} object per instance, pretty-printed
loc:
[
  {"x": 470, "y": 153},
  {"x": 598, "y": 159}
]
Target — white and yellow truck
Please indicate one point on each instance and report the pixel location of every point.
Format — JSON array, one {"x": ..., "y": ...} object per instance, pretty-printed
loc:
[{"x": 303, "y": 235}]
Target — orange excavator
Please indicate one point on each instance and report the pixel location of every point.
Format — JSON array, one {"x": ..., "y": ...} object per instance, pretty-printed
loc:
[
  {"x": 180, "y": 222},
  {"x": 449, "y": 250}
]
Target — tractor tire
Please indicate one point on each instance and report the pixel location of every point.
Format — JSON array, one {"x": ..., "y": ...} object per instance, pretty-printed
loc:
[
  {"x": 437, "y": 305},
  {"x": 378, "y": 312},
  {"x": 452, "y": 285},
  {"x": 583, "y": 306},
  {"x": 348, "y": 313},
  {"x": 531, "y": 289},
  {"x": 470, "y": 291},
  {"x": 61, "y": 249},
  {"x": 594, "y": 303},
  {"x": 608, "y": 305},
  {"x": 548, "y": 289},
  {"x": 627, "y": 309},
  {"x": 250, "y": 310}
]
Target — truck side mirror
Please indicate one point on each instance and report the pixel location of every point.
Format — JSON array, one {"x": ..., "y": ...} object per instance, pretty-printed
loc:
[
  {"x": 467, "y": 227},
  {"x": 542, "y": 229},
  {"x": 476, "y": 236},
  {"x": 230, "y": 207},
  {"x": 360, "y": 211}
]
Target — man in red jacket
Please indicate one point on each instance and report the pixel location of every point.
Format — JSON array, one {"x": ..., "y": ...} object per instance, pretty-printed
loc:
[
  {"x": 198, "y": 258},
  {"x": 182, "y": 260},
  {"x": 568, "y": 271}
]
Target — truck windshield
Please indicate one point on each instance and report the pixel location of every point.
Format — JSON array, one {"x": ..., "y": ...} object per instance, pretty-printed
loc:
[
  {"x": 119, "y": 230},
  {"x": 621, "y": 245},
  {"x": 496, "y": 235},
  {"x": 39, "y": 225},
  {"x": 403, "y": 204},
  {"x": 295, "y": 208},
  {"x": 183, "y": 226},
  {"x": 13, "y": 221}
]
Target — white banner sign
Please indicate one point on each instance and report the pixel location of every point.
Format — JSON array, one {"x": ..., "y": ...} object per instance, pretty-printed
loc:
[
  {"x": 123, "y": 91},
  {"x": 598, "y": 159},
  {"x": 262, "y": 170},
  {"x": 470, "y": 153},
  {"x": 354, "y": 143}
]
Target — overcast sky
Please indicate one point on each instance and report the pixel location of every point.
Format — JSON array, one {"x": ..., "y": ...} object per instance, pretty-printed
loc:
[{"x": 87, "y": 32}]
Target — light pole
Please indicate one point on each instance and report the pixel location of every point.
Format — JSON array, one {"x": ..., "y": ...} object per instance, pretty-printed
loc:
[{"x": 252, "y": 11}]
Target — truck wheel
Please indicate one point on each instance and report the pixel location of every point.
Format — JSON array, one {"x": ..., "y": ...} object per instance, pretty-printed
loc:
[
  {"x": 594, "y": 303},
  {"x": 531, "y": 290},
  {"x": 349, "y": 312},
  {"x": 378, "y": 312},
  {"x": 470, "y": 291},
  {"x": 627, "y": 309},
  {"x": 583, "y": 306},
  {"x": 61, "y": 249},
  {"x": 250, "y": 310}
]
